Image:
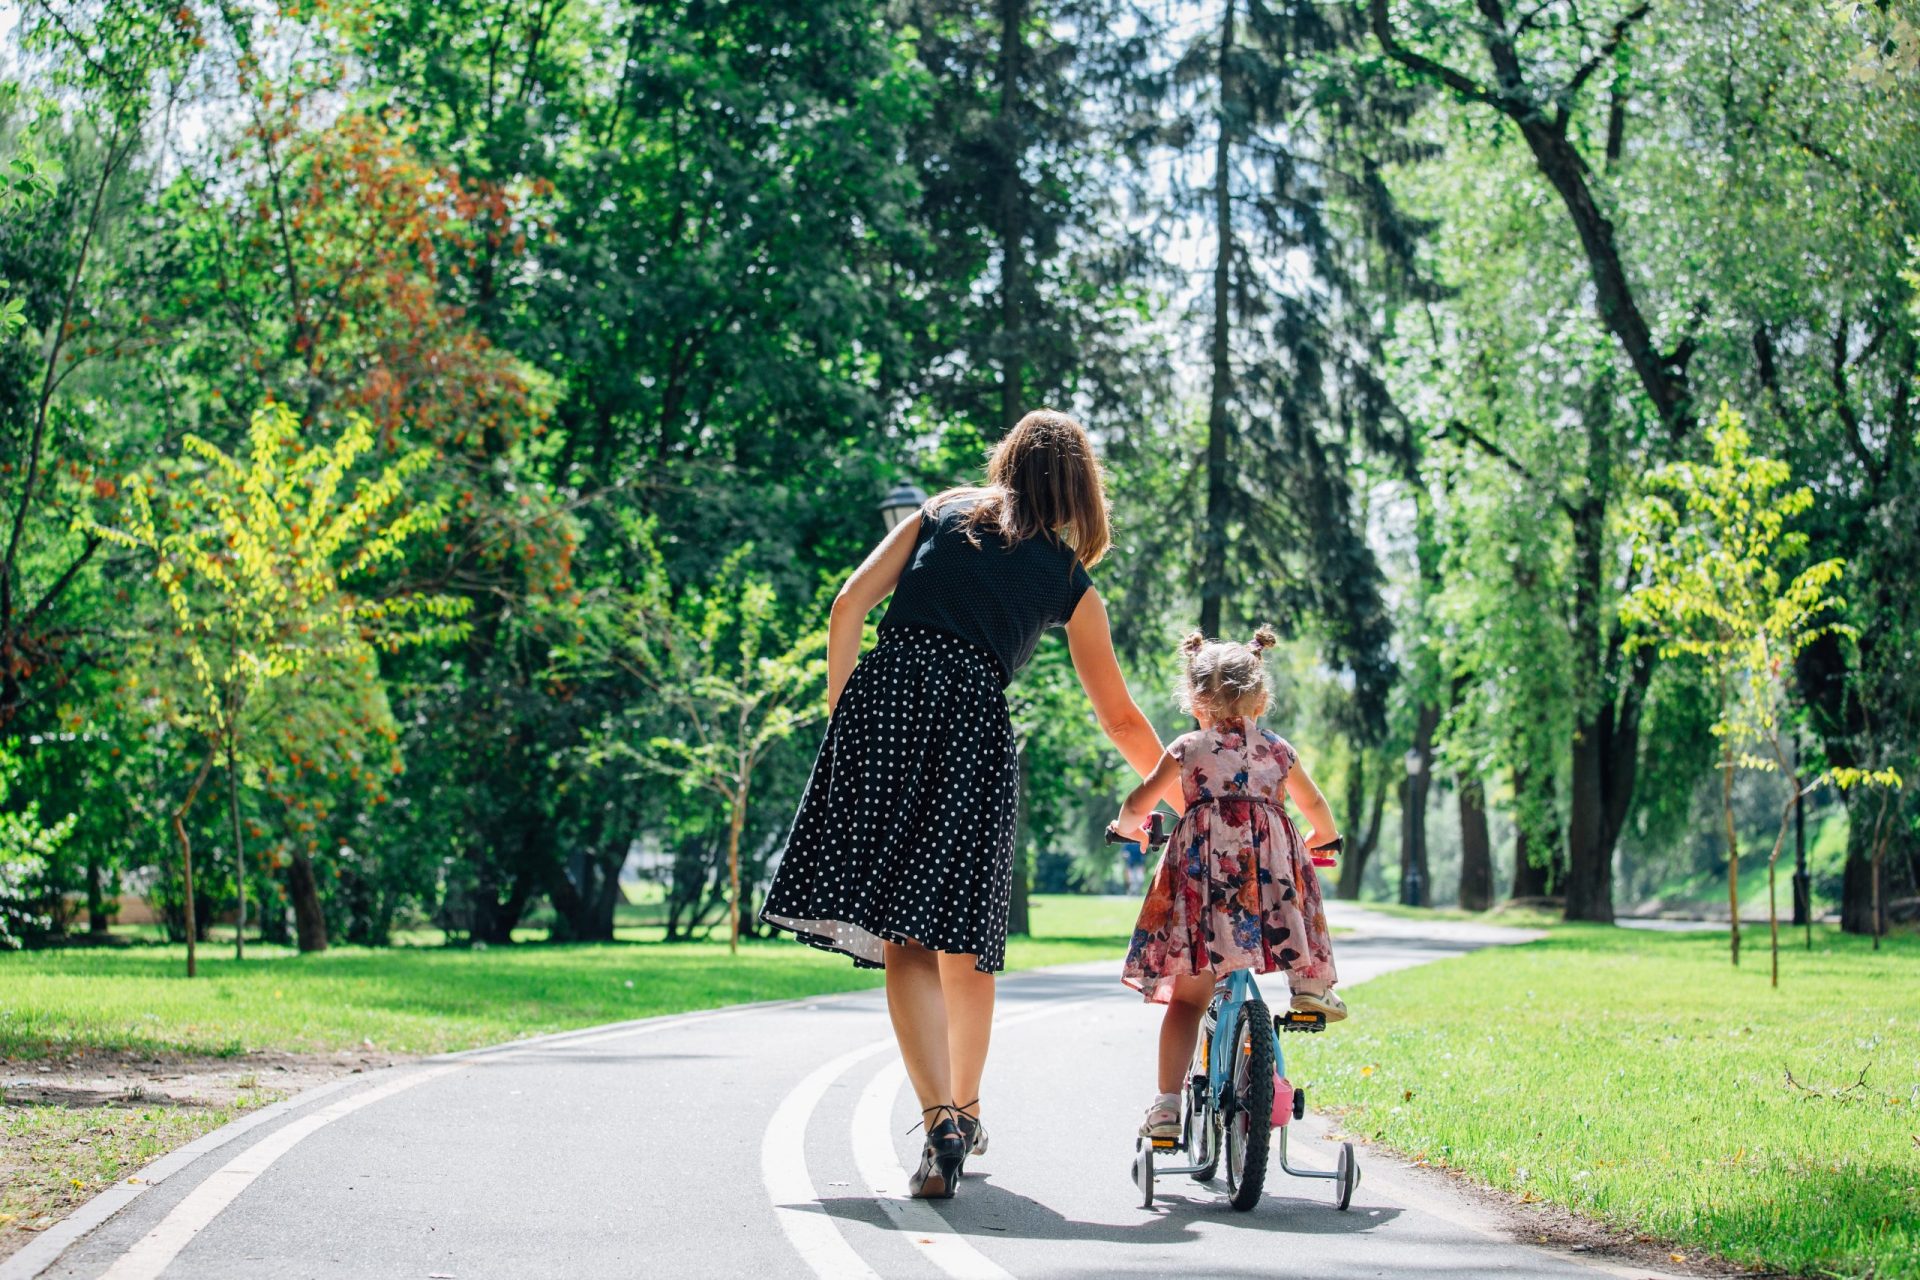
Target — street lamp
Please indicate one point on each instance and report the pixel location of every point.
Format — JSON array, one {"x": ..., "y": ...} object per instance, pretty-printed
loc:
[{"x": 903, "y": 502}]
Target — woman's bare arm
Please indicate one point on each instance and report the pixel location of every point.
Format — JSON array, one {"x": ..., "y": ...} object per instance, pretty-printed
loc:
[
  {"x": 1313, "y": 806},
  {"x": 868, "y": 585},
  {"x": 1090, "y": 641}
]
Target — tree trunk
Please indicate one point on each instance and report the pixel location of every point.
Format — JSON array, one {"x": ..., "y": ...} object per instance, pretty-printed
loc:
[
  {"x": 1857, "y": 907},
  {"x": 98, "y": 923},
  {"x": 186, "y": 858},
  {"x": 1534, "y": 875},
  {"x": 1476, "y": 848},
  {"x": 1589, "y": 889},
  {"x": 1361, "y": 842},
  {"x": 239, "y": 852},
  {"x": 1011, "y": 149},
  {"x": 1213, "y": 556},
  {"x": 309, "y": 921},
  {"x": 1416, "y": 884},
  {"x": 1733, "y": 849},
  {"x": 735, "y": 822}
]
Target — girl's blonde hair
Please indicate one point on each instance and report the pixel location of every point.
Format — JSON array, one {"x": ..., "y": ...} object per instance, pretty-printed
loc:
[
  {"x": 1226, "y": 680},
  {"x": 1043, "y": 480}
]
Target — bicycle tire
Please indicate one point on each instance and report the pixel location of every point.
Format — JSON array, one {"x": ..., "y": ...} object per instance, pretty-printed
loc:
[{"x": 1249, "y": 1125}]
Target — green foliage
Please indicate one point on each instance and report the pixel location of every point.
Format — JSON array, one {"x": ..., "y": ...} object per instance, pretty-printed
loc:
[
  {"x": 26, "y": 843},
  {"x": 1713, "y": 543},
  {"x": 260, "y": 560}
]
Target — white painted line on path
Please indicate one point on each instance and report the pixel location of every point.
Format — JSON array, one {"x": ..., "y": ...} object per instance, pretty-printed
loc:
[
  {"x": 883, "y": 1175},
  {"x": 155, "y": 1251},
  {"x": 783, "y": 1167}
]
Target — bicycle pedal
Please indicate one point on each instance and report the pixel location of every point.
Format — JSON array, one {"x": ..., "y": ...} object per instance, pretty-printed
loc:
[
  {"x": 1165, "y": 1144},
  {"x": 1299, "y": 1020}
]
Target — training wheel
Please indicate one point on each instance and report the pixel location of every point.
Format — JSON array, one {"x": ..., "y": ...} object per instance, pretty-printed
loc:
[
  {"x": 1348, "y": 1178},
  {"x": 1143, "y": 1172}
]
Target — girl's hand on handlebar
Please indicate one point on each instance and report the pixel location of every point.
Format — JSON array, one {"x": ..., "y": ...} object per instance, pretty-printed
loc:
[{"x": 1130, "y": 826}]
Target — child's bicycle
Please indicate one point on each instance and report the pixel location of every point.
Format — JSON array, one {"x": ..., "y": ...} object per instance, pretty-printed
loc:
[{"x": 1237, "y": 1095}]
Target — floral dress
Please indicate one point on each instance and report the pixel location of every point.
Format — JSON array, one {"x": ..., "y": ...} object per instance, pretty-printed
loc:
[{"x": 1235, "y": 888}]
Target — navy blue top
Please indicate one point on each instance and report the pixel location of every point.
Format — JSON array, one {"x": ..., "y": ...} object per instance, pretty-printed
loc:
[{"x": 996, "y": 597}]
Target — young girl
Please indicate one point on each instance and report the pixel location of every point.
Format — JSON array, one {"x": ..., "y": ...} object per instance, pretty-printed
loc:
[{"x": 1236, "y": 887}]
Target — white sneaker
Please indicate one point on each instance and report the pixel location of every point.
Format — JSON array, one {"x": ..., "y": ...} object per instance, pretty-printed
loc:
[
  {"x": 1163, "y": 1118},
  {"x": 1327, "y": 1004}
]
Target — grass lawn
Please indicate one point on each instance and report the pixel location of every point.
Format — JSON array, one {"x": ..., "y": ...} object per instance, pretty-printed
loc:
[{"x": 1638, "y": 1078}]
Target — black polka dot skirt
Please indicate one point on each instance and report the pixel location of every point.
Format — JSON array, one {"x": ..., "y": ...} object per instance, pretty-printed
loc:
[{"x": 905, "y": 833}]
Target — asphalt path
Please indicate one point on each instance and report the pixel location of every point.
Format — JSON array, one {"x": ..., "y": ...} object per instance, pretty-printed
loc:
[{"x": 772, "y": 1141}]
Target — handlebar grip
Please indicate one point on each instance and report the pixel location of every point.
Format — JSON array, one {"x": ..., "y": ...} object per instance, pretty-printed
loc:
[{"x": 1156, "y": 831}]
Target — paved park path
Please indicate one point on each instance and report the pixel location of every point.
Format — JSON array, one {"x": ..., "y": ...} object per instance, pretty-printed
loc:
[{"x": 771, "y": 1141}]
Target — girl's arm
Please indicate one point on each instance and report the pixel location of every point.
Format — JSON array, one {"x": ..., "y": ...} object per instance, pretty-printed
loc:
[
  {"x": 1090, "y": 641},
  {"x": 1313, "y": 806},
  {"x": 1162, "y": 784},
  {"x": 871, "y": 583}
]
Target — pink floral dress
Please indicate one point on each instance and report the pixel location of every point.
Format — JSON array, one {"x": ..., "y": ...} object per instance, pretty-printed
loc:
[{"x": 1235, "y": 888}]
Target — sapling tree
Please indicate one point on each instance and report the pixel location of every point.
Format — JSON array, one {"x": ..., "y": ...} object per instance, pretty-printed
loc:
[
  {"x": 725, "y": 664},
  {"x": 1712, "y": 546},
  {"x": 260, "y": 559}
]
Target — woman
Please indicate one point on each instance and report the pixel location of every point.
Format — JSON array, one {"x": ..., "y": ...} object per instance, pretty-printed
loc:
[{"x": 902, "y": 853}]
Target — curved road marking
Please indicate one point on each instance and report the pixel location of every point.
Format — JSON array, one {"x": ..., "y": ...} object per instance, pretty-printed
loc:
[
  {"x": 159, "y": 1247},
  {"x": 880, "y": 1169},
  {"x": 155, "y": 1251},
  {"x": 783, "y": 1167}
]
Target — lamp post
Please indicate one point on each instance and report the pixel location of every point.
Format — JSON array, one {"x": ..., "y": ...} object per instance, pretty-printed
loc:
[
  {"x": 1413, "y": 888},
  {"x": 904, "y": 501}
]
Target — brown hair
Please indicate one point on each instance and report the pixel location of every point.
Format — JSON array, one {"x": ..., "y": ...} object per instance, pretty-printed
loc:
[
  {"x": 1227, "y": 681},
  {"x": 1043, "y": 480}
]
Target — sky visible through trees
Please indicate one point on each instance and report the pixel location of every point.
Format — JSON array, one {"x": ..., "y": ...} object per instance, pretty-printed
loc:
[{"x": 1383, "y": 311}]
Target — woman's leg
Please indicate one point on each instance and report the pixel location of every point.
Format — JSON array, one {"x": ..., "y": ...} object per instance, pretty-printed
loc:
[
  {"x": 969, "y": 995},
  {"x": 919, "y": 1013},
  {"x": 1180, "y": 1029}
]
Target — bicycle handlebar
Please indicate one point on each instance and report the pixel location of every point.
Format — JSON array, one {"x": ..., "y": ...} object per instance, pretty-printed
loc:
[{"x": 1156, "y": 831}]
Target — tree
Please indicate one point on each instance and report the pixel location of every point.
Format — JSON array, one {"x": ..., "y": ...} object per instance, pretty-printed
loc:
[
  {"x": 1715, "y": 556},
  {"x": 720, "y": 661},
  {"x": 260, "y": 561},
  {"x": 25, "y": 845}
]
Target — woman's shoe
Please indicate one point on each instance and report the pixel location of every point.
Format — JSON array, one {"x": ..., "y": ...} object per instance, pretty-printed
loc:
[
  {"x": 942, "y": 1158},
  {"x": 972, "y": 1128}
]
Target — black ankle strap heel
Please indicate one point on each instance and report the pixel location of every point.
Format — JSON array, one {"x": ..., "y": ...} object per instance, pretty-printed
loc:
[{"x": 942, "y": 1158}]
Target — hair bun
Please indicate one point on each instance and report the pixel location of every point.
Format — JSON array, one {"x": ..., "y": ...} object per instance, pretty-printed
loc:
[
  {"x": 1194, "y": 643},
  {"x": 1263, "y": 638}
]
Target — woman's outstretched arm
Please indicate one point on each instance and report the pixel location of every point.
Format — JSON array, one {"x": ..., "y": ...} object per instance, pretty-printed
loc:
[
  {"x": 1090, "y": 641},
  {"x": 868, "y": 585}
]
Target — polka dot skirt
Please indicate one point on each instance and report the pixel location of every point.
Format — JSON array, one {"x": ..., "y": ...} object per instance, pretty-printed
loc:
[{"x": 905, "y": 833}]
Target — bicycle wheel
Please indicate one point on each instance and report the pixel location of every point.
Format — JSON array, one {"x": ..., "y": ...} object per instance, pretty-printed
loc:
[{"x": 1249, "y": 1122}]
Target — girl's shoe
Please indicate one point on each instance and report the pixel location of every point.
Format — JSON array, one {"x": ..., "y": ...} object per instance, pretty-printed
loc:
[
  {"x": 942, "y": 1158},
  {"x": 972, "y": 1128},
  {"x": 1163, "y": 1118},
  {"x": 1331, "y": 1006}
]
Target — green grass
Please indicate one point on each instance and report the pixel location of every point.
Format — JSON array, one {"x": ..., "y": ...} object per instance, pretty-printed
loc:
[
  {"x": 53, "y": 1158},
  {"x": 431, "y": 1000},
  {"x": 1640, "y": 1079}
]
